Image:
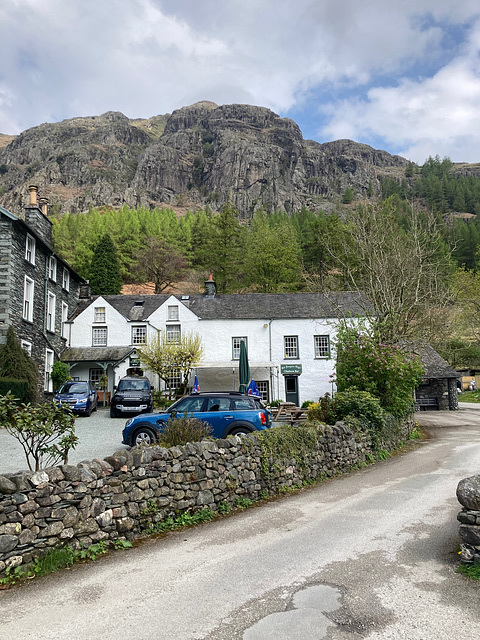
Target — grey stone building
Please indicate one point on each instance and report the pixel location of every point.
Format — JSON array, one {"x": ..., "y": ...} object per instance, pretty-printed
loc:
[
  {"x": 438, "y": 389},
  {"x": 38, "y": 290}
]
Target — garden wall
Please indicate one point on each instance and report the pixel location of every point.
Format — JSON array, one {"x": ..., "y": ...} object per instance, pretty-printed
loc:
[
  {"x": 119, "y": 497},
  {"x": 468, "y": 494}
]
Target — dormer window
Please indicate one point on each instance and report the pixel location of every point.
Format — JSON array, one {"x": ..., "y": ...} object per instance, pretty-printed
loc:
[{"x": 30, "y": 249}]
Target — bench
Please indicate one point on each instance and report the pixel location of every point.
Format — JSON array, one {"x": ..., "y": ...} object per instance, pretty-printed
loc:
[
  {"x": 424, "y": 404},
  {"x": 288, "y": 412}
]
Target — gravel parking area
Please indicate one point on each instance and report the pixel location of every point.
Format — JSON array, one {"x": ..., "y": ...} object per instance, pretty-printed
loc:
[{"x": 99, "y": 437}]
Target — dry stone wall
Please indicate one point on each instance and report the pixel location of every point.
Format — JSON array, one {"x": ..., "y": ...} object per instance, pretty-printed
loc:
[
  {"x": 119, "y": 497},
  {"x": 468, "y": 494}
]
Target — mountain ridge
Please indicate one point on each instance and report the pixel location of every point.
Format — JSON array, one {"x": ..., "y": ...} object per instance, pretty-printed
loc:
[{"x": 199, "y": 155}]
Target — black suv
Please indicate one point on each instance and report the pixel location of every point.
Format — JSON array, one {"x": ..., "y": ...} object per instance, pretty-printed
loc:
[{"x": 132, "y": 395}]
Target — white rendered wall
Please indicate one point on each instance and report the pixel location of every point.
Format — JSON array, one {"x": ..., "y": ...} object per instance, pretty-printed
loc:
[{"x": 265, "y": 341}]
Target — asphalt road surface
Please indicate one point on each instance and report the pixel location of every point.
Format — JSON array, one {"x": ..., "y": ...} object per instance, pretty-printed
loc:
[{"x": 369, "y": 555}]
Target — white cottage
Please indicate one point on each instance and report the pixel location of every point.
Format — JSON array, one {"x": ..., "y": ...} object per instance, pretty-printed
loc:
[{"x": 288, "y": 337}]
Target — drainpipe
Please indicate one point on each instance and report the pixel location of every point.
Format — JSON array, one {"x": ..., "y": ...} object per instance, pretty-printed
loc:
[{"x": 270, "y": 354}]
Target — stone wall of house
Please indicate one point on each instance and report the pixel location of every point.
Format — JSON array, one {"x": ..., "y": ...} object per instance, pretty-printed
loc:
[
  {"x": 120, "y": 496},
  {"x": 468, "y": 494}
]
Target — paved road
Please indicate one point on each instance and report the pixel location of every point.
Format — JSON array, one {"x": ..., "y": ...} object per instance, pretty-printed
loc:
[
  {"x": 369, "y": 555},
  {"x": 99, "y": 437}
]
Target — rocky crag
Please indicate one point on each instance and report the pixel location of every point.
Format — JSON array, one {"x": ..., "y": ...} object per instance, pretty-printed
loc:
[{"x": 198, "y": 155}]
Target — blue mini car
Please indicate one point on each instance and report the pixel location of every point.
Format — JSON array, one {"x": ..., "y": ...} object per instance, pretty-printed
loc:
[
  {"x": 228, "y": 413},
  {"x": 80, "y": 396}
]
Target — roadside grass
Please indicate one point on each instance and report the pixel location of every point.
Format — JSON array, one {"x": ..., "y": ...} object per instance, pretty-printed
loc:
[
  {"x": 56, "y": 559},
  {"x": 470, "y": 571},
  {"x": 469, "y": 396}
]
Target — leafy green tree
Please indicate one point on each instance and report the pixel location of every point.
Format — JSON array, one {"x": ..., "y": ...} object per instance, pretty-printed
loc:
[
  {"x": 226, "y": 260},
  {"x": 384, "y": 370},
  {"x": 46, "y": 432},
  {"x": 105, "y": 277},
  {"x": 273, "y": 257},
  {"x": 165, "y": 358},
  {"x": 59, "y": 374},
  {"x": 15, "y": 363}
]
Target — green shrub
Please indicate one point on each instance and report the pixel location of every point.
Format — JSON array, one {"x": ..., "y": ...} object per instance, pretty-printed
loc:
[
  {"x": 365, "y": 407},
  {"x": 360, "y": 404},
  {"x": 46, "y": 432},
  {"x": 59, "y": 374},
  {"x": 19, "y": 388},
  {"x": 182, "y": 430},
  {"x": 386, "y": 371},
  {"x": 307, "y": 403},
  {"x": 16, "y": 363},
  {"x": 323, "y": 410}
]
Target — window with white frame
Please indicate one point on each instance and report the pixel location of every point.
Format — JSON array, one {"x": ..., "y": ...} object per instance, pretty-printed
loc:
[
  {"x": 262, "y": 386},
  {"x": 174, "y": 380},
  {"x": 236, "y": 347},
  {"x": 173, "y": 333},
  {"x": 66, "y": 279},
  {"x": 26, "y": 346},
  {"x": 30, "y": 249},
  {"x": 64, "y": 319},
  {"x": 139, "y": 334},
  {"x": 52, "y": 268},
  {"x": 172, "y": 312},
  {"x": 48, "y": 386},
  {"x": 95, "y": 375},
  {"x": 99, "y": 314},
  {"x": 99, "y": 336},
  {"x": 322, "y": 346},
  {"x": 51, "y": 303},
  {"x": 28, "y": 299},
  {"x": 291, "y": 346}
]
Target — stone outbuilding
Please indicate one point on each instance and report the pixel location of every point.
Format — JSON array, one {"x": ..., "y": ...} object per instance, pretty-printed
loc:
[{"x": 438, "y": 390}]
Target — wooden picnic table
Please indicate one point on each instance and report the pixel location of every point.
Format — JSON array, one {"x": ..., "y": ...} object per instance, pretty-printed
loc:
[{"x": 289, "y": 412}]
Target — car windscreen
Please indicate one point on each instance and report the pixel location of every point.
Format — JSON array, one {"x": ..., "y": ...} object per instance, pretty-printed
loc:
[
  {"x": 133, "y": 385},
  {"x": 74, "y": 387}
]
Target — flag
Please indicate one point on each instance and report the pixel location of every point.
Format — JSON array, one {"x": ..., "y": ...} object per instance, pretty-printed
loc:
[
  {"x": 196, "y": 386},
  {"x": 253, "y": 389}
]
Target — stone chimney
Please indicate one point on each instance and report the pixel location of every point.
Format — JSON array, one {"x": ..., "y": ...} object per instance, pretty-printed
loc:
[
  {"x": 37, "y": 219},
  {"x": 33, "y": 195},
  {"x": 210, "y": 287},
  {"x": 44, "y": 206}
]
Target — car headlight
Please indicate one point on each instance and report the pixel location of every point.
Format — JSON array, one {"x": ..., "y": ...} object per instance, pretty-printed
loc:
[{"x": 128, "y": 422}]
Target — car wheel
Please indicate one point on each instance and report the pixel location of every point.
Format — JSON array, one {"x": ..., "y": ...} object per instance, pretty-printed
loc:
[
  {"x": 95, "y": 407},
  {"x": 144, "y": 436},
  {"x": 113, "y": 413},
  {"x": 240, "y": 431},
  {"x": 88, "y": 412}
]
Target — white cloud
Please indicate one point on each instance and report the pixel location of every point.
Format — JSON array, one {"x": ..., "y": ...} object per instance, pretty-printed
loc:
[
  {"x": 437, "y": 115},
  {"x": 62, "y": 58}
]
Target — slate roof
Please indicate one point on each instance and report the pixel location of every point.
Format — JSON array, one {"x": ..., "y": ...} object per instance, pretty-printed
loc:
[
  {"x": 249, "y": 306},
  {"x": 96, "y": 354},
  {"x": 39, "y": 238},
  {"x": 435, "y": 366}
]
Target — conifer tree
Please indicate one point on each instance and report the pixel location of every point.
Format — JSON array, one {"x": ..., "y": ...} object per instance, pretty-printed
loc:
[
  {"x": 15, "y": 363},
  {"x": 105, "y": 275}
]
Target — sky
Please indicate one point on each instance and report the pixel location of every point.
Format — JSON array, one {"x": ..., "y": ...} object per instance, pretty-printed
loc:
[{"x": 399, "y": 75}]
